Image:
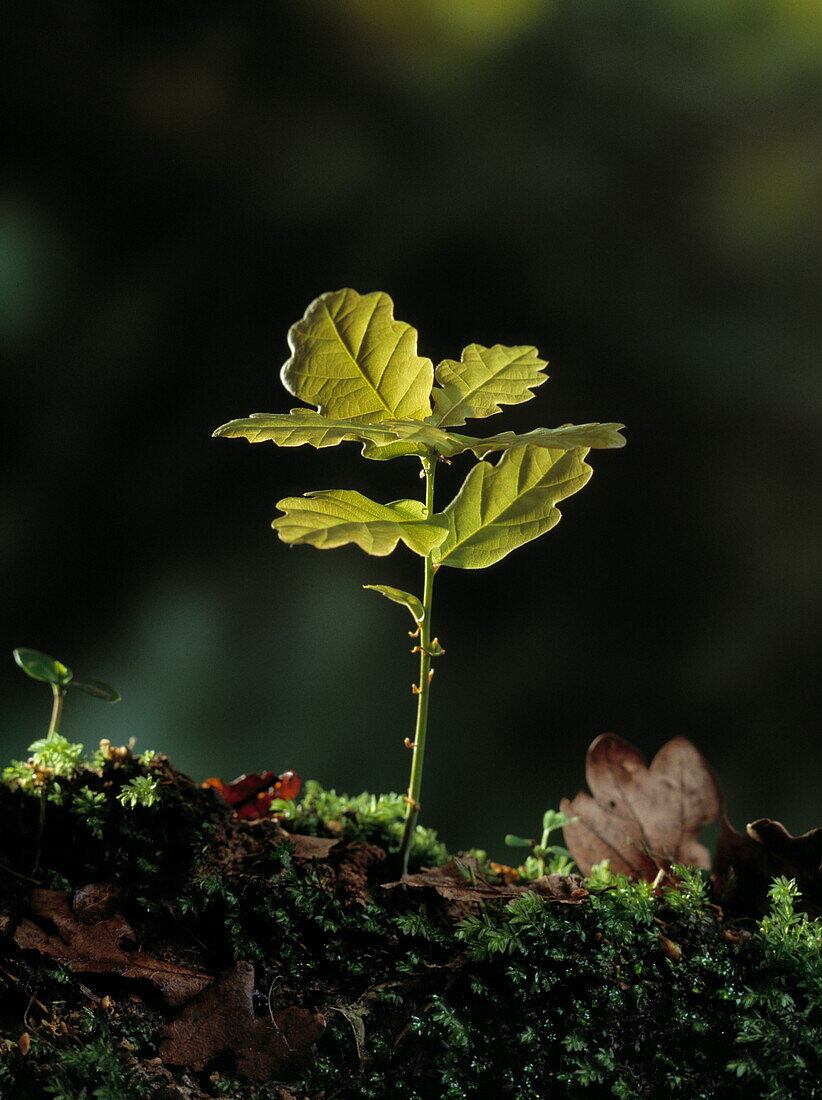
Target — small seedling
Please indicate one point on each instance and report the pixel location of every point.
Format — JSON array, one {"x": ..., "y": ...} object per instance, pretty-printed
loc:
[
  {"x": 359, "y": 368},
  {"x": 545, "y": 858},
  {"x": 53, "y": 755},
  {"x": 48, "y": 669}
]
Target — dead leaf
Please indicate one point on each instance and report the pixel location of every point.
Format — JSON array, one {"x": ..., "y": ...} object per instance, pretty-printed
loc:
[
  {"x": 460, "y": 880},
  {"x": 251, "y": 795},
  {"x": 221, "y": 1021},
  {"x": 642, "y": 818},
  {"x": 669, "y": 948},
  {"x": 102, "y": 948},
  {"x": 310, "y": 847},
  {"x": 746, "y": 865},
  {"x": 96, "y": 901}
]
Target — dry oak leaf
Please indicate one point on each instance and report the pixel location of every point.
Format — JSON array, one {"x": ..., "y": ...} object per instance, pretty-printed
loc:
[
  {"x": 309, "y": 847},
  {"x": 642, "y": 819},
  {"x": 221, "y": 1021},
  {"x": 765, "y": 851},
  {"x": 100, "y": 948},
  {"x": 460, "y": 880}
]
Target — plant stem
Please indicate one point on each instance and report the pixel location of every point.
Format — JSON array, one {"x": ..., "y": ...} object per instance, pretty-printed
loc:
[
  {"x": 415, "y": 784},
  {"x": 59, "y": 695}
]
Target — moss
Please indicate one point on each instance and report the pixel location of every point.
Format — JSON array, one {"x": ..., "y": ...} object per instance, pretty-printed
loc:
[{"x": 627, "y": 993}]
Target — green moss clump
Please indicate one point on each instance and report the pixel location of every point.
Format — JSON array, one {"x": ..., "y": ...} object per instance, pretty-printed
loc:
[{"x": 627, "y": 992}]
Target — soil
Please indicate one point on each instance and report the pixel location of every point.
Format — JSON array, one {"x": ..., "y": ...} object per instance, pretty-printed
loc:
[{"x": 179, "y": 951}]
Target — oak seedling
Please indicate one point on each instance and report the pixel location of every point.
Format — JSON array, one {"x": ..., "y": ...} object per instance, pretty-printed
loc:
[{"x": 360, "y": 370}]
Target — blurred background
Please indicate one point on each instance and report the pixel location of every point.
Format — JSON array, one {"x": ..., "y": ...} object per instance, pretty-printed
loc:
[{"x": 634, "y": 188}]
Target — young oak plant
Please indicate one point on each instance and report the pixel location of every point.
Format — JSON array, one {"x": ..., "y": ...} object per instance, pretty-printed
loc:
[{"x": 360, "y": 369}]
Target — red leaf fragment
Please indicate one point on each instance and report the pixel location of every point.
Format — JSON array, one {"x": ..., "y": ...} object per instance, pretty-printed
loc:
[
  {"x": 641, "y": 818},
  {"x": 746, "y": 865},
  {"x": 221, "y": 1021},
  {"x": 99, "y": 948},
  {"x": 251, "y": 795}
]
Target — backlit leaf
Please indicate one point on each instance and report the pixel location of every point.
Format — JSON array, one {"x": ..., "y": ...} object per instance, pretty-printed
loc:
[
  {"x": 98, "y": 689},
  {"x": 251, "y": 795},
  {"x": 400, "y": 597},
  {"x": 335, "y": 517},
  {"x": 42, "y": 667},
  {"x": 568, "y": 437},
  {"x": 484, "y": 379},
  {"x": 301, "y": 426},
  {"x": 353, "y": 361},
  {"x": 502, "y": 507},
  {"x": 642, "y": 818}
]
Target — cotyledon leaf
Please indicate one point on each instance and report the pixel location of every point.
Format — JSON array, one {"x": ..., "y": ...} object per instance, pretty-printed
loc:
[
  {"x": 353, "y": 360},
  {"x": 40, "y": 666},
  {"x": 398, "y": 596},
  {"x": 334, "y": 517},
  {"x": 502, "y": 507},
  {"x": 484, "y": 379}
]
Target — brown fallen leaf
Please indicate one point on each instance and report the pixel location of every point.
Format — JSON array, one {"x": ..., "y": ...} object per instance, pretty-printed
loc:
[
  {"x": 97, "y": 900},
  {"x": 310, "y": 847},
  {"x": 745, "y": 865},
  {"x": 460, "y": 880},
  {"x": 101, "y": 948},
  {"x": 221, "y": 1021},
  {"x": 669, "y": 948},
  {"x": 642, "y": 818}
]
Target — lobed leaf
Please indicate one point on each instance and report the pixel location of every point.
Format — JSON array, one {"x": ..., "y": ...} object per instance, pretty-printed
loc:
[
  {"x": 353, "y": 360},
  {"x": 642, "y": 817},
  {"x": 568, "y": 437},
  {"x": 42, "y": 667},
  {"x": 305, "y": 426},
  {"x": 484, "y": 379},
  {"x": 400, "y": 597},
  {"x": 502, "y": 507},
  {"x": 335, "y": 517}
]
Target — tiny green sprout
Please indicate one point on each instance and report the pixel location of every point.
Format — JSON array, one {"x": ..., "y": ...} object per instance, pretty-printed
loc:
[
  {"x": 42, "y": 667},
  {"x": 90, "y": 806},
  {"x": 359, "y": 367},
  {"x": 140, "y": 791},
  {"x": 545, "y": 858}
]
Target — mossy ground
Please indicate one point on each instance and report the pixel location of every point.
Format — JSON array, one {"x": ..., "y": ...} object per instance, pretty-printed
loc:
[{"x": 627, "y": 992}]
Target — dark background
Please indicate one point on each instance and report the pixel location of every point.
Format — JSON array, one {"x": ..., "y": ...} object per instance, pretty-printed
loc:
[{"x": 634, "y": 188}]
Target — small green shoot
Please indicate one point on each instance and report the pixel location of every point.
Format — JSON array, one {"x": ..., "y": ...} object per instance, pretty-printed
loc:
[
  {"x": 40, "y": 666},
  {"x": 360, "y": 369},
  {"x": 140, "y": 791},
  {"x": 545, "y": 858}
]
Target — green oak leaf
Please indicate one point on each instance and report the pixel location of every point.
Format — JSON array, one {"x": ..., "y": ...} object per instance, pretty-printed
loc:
[
  {"x": 502, "y": 507},
  {"x": 301, "y": 426},
  {"x": 42, "y": 667},
  {"x": 484, "y": 379},
  {"x": 334, "y": 517},
  {"x": 566, "y": 438},
  {"x": 398, "y": 596},
  {"x": 354, "y": 361}
]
